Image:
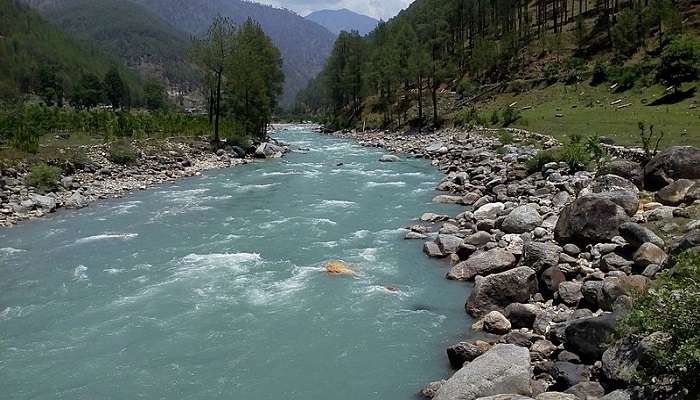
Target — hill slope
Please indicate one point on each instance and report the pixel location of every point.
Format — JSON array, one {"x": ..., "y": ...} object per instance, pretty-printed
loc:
[
  {"x": 337, "y": 21},
  {"x": 304, "y": 45},
  {"x": 33, "y": 51}
]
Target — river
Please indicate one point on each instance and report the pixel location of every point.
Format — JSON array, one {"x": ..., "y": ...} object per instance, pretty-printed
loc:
[{"x": 214, "y": 288}]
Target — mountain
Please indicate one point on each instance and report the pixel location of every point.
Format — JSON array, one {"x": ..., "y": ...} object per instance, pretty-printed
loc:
[
  {"x": 337, "y": 21},
  {"x": 304, "y": 45},
  {"x": 36, "y": 55},
  {"x": 129, "y": 31}
]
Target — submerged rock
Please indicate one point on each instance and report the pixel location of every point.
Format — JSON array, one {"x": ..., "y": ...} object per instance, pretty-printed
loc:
[{"x": 338, "y": 268}]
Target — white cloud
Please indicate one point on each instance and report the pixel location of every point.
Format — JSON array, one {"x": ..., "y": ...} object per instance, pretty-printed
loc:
[{"x": 375, "y": 8}]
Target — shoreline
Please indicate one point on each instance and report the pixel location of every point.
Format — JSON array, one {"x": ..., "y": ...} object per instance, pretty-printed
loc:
[
  {"x": 167, "y": 161},
  {"x": 538, "y": 283}
]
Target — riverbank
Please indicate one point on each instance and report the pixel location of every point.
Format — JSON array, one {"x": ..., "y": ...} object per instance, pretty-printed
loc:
[
  {"x": 97, "y": 177},
  {"x": 555, "y": 257}
]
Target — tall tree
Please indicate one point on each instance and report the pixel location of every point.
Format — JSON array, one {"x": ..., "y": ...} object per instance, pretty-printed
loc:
[{"x": 115, "y": 90}]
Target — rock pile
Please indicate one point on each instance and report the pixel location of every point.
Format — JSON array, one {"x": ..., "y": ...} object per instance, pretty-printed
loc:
[
  {"x": 556, "y": 258},
  {"x": 100, "y": 178}
]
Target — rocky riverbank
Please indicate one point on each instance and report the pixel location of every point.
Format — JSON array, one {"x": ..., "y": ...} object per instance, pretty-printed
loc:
[
  {"x": 555, "y": 258},
  {"x": 99, "y": 178}
]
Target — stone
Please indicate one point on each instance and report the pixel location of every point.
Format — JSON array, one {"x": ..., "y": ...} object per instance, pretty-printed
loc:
[
  {"x": 693, "y": 193},
  {"x": 505, "y": 368},
  {"x": 522, "y": 219},
  {"x": 505, "y": 397},
  {"x": 463, "y": 352},
  {"x": 550, "y": 280},
  {"x": 540, "y": 255},
  {"x": 586, "y": 390},
  {"x": 431, "y": 249},
  {"x": 46, "y": 203},
  {"x": 636, "y": 235},
  {"x": 614, "y": 262},
  {"x": 649, "y": 253},
  {"x": 612, "y": 183},
  {"x": 555, "y": 396},
  {"x": 543, "y": 347},
  {"x": 496, "y": 291},
  {"x": 338, "y": 268},
  {"x": 479, "y": 238},
  {"x": 675, "y": 193},
  {"x": 483, "y": 263},
  {"x": 568, "y": 374},
  {"x": 592, "y": 292},
  {"x": 570, "y": 293},
  {"x": 410, "y": 235},
  {"x": 448, "y": 243},
  {"x": 431, "y": 217},
  {"x": 389, "y": 158},
  {"x": 495, "y": 322},
  {"x": 677, "y": 162},
  {"x": 617, "y": 395},
  {"x": 588, "y": 337},
  {"x": 431, "y": 389},
  {"x": 686, "y": 242},
  {"x": 521, "y": 315},
  {"x": 489, "y": 211},
  {"x": 630, "y": 170},
  {"x": 572, "y": 250},
  {"x": 446, "y": 199},
  {"x": 629, "y": 201},
  {"x": 621, "y": 360},
  {"x": 589, "y": 220},
  {"x": 269, "y": 150},
  {"x": 76, "y": 200}
]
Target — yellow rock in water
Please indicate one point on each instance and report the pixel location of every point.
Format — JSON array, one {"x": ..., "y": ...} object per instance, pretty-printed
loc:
[{"x": 338, "y": 268}]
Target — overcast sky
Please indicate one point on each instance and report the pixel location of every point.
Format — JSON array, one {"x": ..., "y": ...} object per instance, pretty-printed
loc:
[{"x": 374, "y": 8}]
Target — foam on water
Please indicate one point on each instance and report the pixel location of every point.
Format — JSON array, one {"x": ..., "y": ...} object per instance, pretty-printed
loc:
[{"x": 107, "y": 236}]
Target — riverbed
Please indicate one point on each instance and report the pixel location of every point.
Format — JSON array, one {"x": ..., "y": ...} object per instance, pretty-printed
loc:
[{"x": 214, "y": 287}]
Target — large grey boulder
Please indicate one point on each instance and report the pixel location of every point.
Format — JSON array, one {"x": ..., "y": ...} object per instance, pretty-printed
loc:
[
  {"x": 629, "y": 170},
  {"x": 483, "y": 263},
  {"x": 76, "y": 200},
  {"x": 46, "y": 203},
  {"x": 675, "y": 193},
  {"x": 462, "y": 352},
  {"x": 617, "y": 395},
  {"x": 522, "y": 219},
  {"x": 448, "y": 243},
  {"x": 540, "y": 255},
  {"x": 612, "y": 183},
  {"x": 489, "y": 211},
  {"x": 636, "y": 235},
  {"x": 497, "y": 291},
  {"x": 588, "y": 220},
  {"x": 678, "y": 162},
  {"x": 505, "y": 369},
  {"x": 269, "y": 150}
]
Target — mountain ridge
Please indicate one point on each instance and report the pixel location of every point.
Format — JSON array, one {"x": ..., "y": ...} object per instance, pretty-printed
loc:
[{"x": 343, "y": 19}]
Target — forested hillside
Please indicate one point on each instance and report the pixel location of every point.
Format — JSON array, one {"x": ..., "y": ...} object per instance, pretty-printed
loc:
[
  {"x": 38, "y": 58},
  {"x": 305, "y": 45},
  {"x": 129, "y": 31},
  {"x": 402, "y": 73},
  {"x": 337, "y": 21}
]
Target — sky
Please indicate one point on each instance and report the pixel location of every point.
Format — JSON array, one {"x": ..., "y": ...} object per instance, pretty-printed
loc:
[{"x": 380, "y": 9}]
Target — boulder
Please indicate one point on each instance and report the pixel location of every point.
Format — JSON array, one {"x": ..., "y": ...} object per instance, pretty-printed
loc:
[
  {"x": 617, "y": 395},
  {"x": 496, "y": 291},
  {"x": 568, "y": 374},
  {"x": 504, "y": 369},
  {"x": 649, "y": 253},
  {"x": 483, "y": 263},
  {"x": 675, "y": 193},
  {"x": 521, "y": 315},
  {"x": 269, "y": 150},
  {"x": 629, "y": 201},
  {"x": 431, "y": 389},
  {"x": 522, "y": 219},
  {"x": 693, "y": 193},
  {"x": 479, "y": 238},
  {"x": 612, "y": 183},
  {"x": 338, "y": 268},
  {"x": 636, "y": 235},
  {"x": 46, "y": 203},
  {"x": 570, "y": 293},
  {"x": 462, "y": 352},
  {"x": 76, "y": 200},
  {"x": 489, "y": 211},
  {"x": 629, "y": 170},
  {"x": 432, "y": 217},
  {"x": 448, "y": 243},
  {"x": 550, "y": 280},
  {"x": 621, "y": 360},
  {"x": 389, "y": 158},
  {"x": 505, "y": 397},
  {"x": 540, "y": 255},
  {"x": 588, "y": 337},
  {"x": 687, "y": 242},
  {"x": 495, "y": 322},
  {"x": 589, "y": 219},
  {"x": 431, "y": 249},
  {"x": 446, "y": 199},
  {"x": 555, "y": 396},
  {"x": 677, "y": 162},
  {"x": 586, "y": 390}
]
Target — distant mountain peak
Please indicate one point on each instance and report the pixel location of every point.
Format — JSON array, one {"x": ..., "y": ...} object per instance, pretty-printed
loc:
[{"x": 343, "y": 19}]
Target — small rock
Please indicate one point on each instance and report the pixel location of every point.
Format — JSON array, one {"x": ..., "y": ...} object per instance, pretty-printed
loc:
[{"x": 648, "y": 254}]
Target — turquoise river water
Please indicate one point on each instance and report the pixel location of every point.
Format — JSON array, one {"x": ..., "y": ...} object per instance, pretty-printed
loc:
[{"x": 214, "y": 288}]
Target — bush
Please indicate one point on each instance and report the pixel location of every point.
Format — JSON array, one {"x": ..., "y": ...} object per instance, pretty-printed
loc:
[
  {"x": 671, "y": 306},
  {"x": 628, "y": 77},
  {"x": 505, "y": 137},
  {"x": 121, "y": 152},
  {"x": 510, "y": 115},
  {"x": 680, "y": 61},
  {"x": 44, "y": 178},
  {"x": 494, "y": 117},
  {"x": 467, "y": 88},
  {"x": 468, "y": 117},
  {"x": 576, "y": 156},
  {"x": 600, "y": 74},
  {"x": 536, "y": 163},
  {"x": 551, "y": 72}
]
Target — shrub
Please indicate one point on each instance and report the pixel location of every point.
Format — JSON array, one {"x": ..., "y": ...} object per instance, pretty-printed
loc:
[
  {"x": 510, "y": 115},
  {"x": 44, "y": 178},
  {"x": 494, "y": 117},
  {"x": 649, "y": 140},
  {"x": 468, "y": 117},
  {"x": 575, "y": 156},
  {"x": 600, "y": 74},
  {"x": 536, "y": 163},
  {"x": 670, "y": 306},
  {"x": 627, "y": 78},
  {"x": 121, "y": 152},
  {"x": 505, "y": 137},
  {"x": 467, "y": 88},
  {"x": 518, "y": 86},
  {"x": 551, "y": 72}
]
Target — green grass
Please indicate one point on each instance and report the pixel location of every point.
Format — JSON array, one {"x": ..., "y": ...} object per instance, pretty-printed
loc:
[{"x": 587, "y": 110}]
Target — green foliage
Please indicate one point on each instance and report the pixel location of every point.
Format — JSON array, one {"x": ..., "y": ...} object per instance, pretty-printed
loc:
[
  {"x": 116, "y": 91},
  {"x": 468, "y": 118},
  {"x": 154, "y": 95},
  {"x": 600, "y": 74},
  {"x": 625, "y": 33},
  {"x": 551, "y": 72},
  {"x": 649, "y": 140},
  {"x": 123, "y": 153},
  {"x": 88, "y": 92},
  {"x": 542, "y": 158},
  {"x": 510, "y": 115},
  {"x": 505, "y": 137},
  {"x": 680, "y": 61},
  {"x": 577, "y": 154},
  {"x": 495, "y": 119},
  {"x": 467, "y": 88},
  {"x": 595, "y": 148},
  {"x": 671, "y": 306},
  {"x": 44, "y": 178}
]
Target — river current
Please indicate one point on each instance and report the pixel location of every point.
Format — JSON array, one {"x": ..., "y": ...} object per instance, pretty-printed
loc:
[{"x": 214, "y": 287}]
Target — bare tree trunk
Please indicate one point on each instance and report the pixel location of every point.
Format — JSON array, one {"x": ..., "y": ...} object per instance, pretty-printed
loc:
[{"x": 218, "y": 107}]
